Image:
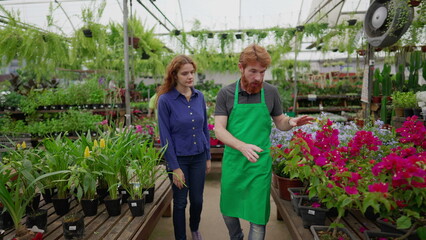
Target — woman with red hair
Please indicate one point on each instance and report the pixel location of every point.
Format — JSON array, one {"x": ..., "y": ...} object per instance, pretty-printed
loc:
[{"x": 182, "y": 118}]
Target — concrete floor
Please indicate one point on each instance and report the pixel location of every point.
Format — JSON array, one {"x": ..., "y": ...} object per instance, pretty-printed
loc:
[{"x": 212, "y": 226}]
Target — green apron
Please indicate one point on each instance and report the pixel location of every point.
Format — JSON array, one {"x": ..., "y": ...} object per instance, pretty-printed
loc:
[{"x": 245, "y": 186}]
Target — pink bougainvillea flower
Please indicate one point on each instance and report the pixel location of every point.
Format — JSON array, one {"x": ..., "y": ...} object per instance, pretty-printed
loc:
[
  {"x": 316, "y": 205},
  {"x": 104, "y": 122},
  {"x": 379, "y": 187},
  {"x": 320, "y": 161},
  {"x": 351, "y": 190},
  {"x": 210, "y": 126},
  {"x": 401, "y": 203},
  {"x": 138, "y": 129}
]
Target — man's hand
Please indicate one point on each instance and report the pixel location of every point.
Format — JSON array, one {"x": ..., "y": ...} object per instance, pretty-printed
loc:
[
  {"x": 208, "y": 166},
  {"x": 178, "y": 178},
  {"x": 300, "y": 121},
  {"x": 250, "y": 151}
]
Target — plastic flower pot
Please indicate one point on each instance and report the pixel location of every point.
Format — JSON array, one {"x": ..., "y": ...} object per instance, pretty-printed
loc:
[
  {"x": 149, "y": 196},
  {"x": 379, "y": 235},
  {"x": 37, "y": 218},
  {"x": 311, "y": 215},
  {"x": 61, "y": 205},
  {"x": 89, "y": 206},
  {"x": 295, "y": 195},
  {"x": 136, "y": 206},
  {"x": 113, "y": 206},
  {"x": 73, "y": 226},
  {"x": 48, "y": 194},
  {"x": 342, "y": 233},
  {"x": 386, "y": 226}
]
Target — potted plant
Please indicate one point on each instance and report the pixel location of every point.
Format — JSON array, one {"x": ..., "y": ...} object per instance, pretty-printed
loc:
[
  {"x": 283, "y": 178},
  {"x": 111, "y": 158},
  {"x": 18, "y": 179},
  {"x": 84, "y": 175},
  {"x": 59, "y": 158},
  {"x": 398, "y": 194},
  {"x": 145, "y": 160}
]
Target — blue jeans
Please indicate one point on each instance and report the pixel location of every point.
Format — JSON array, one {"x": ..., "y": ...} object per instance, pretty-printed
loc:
[
  {"x": 194, "y": 170},
  {"x": 257, "y": 232}
]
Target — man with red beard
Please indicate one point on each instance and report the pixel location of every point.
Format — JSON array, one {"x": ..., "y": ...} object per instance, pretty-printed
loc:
[{"x": 243, "y": 115}]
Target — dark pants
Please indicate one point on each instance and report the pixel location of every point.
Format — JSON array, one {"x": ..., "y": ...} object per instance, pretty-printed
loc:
[{"x": 194, "y": 169}]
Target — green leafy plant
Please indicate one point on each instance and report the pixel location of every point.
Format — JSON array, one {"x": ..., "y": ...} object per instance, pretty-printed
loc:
[{"x": 144, "y": 168}]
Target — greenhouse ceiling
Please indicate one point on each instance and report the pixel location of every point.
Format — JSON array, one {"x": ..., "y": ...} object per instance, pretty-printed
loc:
[{"x": 165, "y": 16}]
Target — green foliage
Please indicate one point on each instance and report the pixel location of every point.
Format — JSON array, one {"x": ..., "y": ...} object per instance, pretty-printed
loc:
[
  {"x": 386, "y": 80},
  {"x": 376, "y": 83},
  {"x": 415, "y": 66},
  {"x": 404, "y": 99}
]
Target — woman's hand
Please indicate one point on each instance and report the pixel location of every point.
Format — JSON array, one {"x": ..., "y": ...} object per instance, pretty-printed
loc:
[
  {"x": 208, "y": 166},
  {"x": 178, "y": 178}
]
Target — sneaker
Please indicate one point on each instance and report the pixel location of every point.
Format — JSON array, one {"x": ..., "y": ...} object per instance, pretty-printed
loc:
[{"x": 196, "y": 235}]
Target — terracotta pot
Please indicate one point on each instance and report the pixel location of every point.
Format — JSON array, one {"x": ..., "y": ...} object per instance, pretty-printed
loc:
[
  {"x": 399, "y": 112},
  {"x": 376, "y": 99},
  {"x": 284, "y": 184},
  {"x": 361, "y": 52},
  {"x": 414, "y": 3}
]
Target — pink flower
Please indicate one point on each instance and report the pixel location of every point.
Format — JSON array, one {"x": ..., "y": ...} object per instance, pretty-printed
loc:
[
  {"x": 379, "y": 187},
  {"x": 363, "y": 229},
  {"x": 210, "y": 127},
  {"x": 104, "y": 122},
  {"x": 351, "y": 190},
  {"x": 138, "y": 129},
  {"x": 320, "y": 161},
  {"x": 316, "y": 205}
]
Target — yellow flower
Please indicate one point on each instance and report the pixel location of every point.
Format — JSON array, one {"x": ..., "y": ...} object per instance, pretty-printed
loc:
[
  {"x": 18, "y": 146},
  {"x": 95, "y": 143},
  {"x": 24, "y": 145},
  {"x": 102, "y": 143},
  {"x": 87, "y": 152}
]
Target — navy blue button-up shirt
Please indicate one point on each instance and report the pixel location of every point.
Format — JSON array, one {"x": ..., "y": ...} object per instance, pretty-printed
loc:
[{"x": 183, "y": 125}]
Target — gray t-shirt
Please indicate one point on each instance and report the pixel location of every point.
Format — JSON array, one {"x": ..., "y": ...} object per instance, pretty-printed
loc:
[{"x": 225, "y": 99}]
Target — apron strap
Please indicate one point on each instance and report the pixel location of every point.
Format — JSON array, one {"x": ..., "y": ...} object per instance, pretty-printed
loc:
[{"x": 236, "y": 94}]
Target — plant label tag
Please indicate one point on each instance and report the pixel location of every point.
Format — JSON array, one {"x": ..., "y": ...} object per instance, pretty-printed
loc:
[
  {"x": 311, "y": 212},
  {"x": 123, "y": 192},
  {"x": 73, "y": 228},
  {"x": 145, "y": 192},
  {"x": 312, "y": 97},
  {"x": 291, "y": 197},
  {"x": 121, "y": 201},
  {"x": 133, "y": 204}
]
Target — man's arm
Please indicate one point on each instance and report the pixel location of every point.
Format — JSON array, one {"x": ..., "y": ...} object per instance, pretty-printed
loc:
[
  {"x": 248, "y": 150},
  {"x": 285, "y": 123}
]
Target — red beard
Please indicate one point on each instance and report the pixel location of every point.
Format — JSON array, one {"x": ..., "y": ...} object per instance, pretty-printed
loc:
[{"x": 251, "y": 88}]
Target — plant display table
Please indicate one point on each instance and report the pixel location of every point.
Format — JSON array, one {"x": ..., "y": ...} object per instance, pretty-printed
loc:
[
  {"x": 216, "y": 153},
  {"x": 354, "y": 221},
  {"x": 124, "y": 226}
]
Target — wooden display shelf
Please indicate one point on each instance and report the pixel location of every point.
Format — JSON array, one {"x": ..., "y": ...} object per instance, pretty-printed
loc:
[
  {"x": 354, "y": 221},
  {"x": 328, "y": 109},
  {"x": 124, "y": 226},
  {"x": 322, "y": 97}
]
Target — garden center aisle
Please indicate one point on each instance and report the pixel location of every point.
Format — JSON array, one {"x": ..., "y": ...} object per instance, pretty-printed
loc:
[{"x": 212, "y": 226}]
